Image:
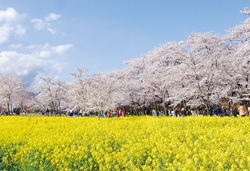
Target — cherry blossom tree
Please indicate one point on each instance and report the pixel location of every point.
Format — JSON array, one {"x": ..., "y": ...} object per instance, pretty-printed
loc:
[
  {"x": 202, "y": 66},
  {"x": 28, "y": 102},
  {"x": 11, "y": 91},
  {"x": 159, "y": 73},
  {"x": 246, "y": 11},
  {"x": 238, "y": 39},
  {"x": 52, "y": 92},
  {"x": 204, "y": 70},
  {"x": 136, "y": 90},
  {"x": 78, "y": 90}
]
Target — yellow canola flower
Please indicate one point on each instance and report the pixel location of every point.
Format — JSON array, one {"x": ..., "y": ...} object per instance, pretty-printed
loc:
[{"x": 129, "y": 143}]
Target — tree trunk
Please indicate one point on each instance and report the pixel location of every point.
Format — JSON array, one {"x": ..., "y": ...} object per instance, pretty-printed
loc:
[
  {"x": 165, "y": 109},
  {"x": 99, "y": 115},
  {"x": 11, "y": 109},
  {"x": 184, "y": 104},
  {"x": 53, "y": 108},
  {"x": 208, "y": 108},
  {"x": 8, "y": 108},
  {"x": 59, "y": 108}
]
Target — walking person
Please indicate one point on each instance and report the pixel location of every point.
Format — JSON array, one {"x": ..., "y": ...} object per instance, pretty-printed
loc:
[
  {"x": 154, "y": 113},
  {"x": 219, "y": 111},
  {"x": 199, "y": 112},
  {"x": 80, "y": 112},
  {"x": 148, "y": 111},
  {"x": 234, "y": 112},
  {"x": 172, "y": 113},
  {"x": 241, "y": 110},
  {"x": 224, "y": 111},
  {"x": 193, "y": 112},
  {"x": 71, "y": 113},
  {"x": 169, "y": 112},
  {"x": 248, "y": 109},
  {"x": 184, "y": 113},
  {"x": 215, "y": 112},
  {"x": 47, "y": 112},
  {"x": 205, "y": 112}
]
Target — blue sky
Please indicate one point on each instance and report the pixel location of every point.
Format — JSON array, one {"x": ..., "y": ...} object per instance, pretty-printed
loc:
[{"x": 57, "y": 36}]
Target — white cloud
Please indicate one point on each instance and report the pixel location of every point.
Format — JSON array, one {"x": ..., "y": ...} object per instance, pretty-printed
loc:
[
  {"x": 56, "y": 49},
  {"x": 45, "y": 54},
  {"x": 20, "y": 30},
  {"x": 27, "y": 61},
  {"x": 38, "y": 24},
  {"x": 46, "y": 46},
  {"x": 10, "y": 15},
  {"x": 51, "y": 31},
  {"x": 57, "y": 67},
  {"x": 62, "y": 48},
  {"x": 30, "y": 47},
  {"x": 5, "y": 32},
  {"x": 10, "y": 61},
  {"x": 9, "y": 20},
  {"x": 15, "y": 46},
  {"x": 52, "y": 16},
  {"x": 25, "y": 64}
]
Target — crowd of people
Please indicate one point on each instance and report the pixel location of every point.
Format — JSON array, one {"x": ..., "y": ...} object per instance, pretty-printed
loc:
[
  {"x": 242, "y": 111},
  {"x": 217, "y": 111}
]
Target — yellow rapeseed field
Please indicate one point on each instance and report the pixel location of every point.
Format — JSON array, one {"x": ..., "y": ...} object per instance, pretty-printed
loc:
[{"x": 130, "y": 143}]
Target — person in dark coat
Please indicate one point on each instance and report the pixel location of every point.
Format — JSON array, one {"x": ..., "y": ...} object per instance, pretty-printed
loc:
[
  {"x": 234, "y": 112},
  {"x": 224, "y": 111},
  {"x": 183, "y": 112},
  {"x": 148, "y": 111},
  {"x": 205, "y": 112},
  {"x": 219, "y": 111},
  {"x": 215, "y": 112}
]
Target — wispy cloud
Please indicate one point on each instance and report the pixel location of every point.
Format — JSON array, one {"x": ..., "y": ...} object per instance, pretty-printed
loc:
[
  {"x": 52, "y": 16},
  {"x": 40, "y": 24},
  {"x": 45, "y": 54},
  {"x": 15, "y": 46},
  {"x": 27, "y": 61},
  {"x": 10, "y": 20},
  {"x": 5, "y": 30},
  {"x": 62, "y": 48},
  {"x": 20, "y": 30},
  {"x": 51, "y": 30}
]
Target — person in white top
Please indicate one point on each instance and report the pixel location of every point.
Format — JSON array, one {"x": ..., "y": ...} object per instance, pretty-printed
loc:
[
  {"x": 241, "y": 110},
  {"x": 80, "y": 112},
  {"x": 154, "y": 113},
  {"x": 172, "y": 113}
]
